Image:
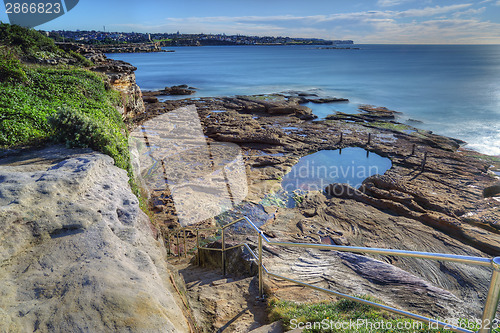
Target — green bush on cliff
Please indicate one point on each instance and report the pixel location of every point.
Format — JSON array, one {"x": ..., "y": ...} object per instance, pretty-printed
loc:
[
  {"x": 81, "y": 108},
  {"x": 56, "y": 103},
  {"x": 81, "y": 59},
  {"x": 79, "y": 129}
]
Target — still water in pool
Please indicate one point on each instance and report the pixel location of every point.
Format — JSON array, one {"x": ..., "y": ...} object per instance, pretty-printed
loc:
[{"x": 350, "y": 166}]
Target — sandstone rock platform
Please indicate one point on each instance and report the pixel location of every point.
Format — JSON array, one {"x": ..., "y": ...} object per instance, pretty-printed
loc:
[{"x": 77, "y": 253}]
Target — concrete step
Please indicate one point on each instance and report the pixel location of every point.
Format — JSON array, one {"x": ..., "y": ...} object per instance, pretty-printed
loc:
[{"x": 275, "y": 327}]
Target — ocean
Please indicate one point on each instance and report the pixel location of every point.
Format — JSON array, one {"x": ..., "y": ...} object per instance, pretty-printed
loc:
[{"x": 452, "y": 90}]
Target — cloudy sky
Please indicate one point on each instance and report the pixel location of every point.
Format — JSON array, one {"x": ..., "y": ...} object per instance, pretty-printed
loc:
[{"x": 364, "y": 21}]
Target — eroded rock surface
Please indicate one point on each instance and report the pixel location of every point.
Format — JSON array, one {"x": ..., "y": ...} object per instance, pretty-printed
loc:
[
  {"x": 431, "y": 199},
  {"x": 77, "y": 253}
]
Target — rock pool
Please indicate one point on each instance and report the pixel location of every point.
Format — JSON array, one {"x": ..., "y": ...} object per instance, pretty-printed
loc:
[{"x": 350, "y": 166}]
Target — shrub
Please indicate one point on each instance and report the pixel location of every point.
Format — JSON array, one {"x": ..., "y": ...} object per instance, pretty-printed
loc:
[
  {"x": 63, "y": 103},
  {"x": 78, "y": 129},
  {"x": 26, "y": 108},
  {"x": 81, "y": 60}
]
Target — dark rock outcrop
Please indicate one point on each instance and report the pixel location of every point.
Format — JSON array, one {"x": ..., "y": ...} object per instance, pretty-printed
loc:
[
  {"x": 174, "y": 90},
  {"x": 492, "y": 191}
]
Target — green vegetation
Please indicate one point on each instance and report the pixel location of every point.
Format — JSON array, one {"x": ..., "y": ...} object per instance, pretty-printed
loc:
[
  {"x": 10, "y": 68},
  {"x": 70, "y": 105},
  {"x": 27, "y": 42},
  {"x": 163, "y": 40},
  {"x": 274, "y": 199},
  {"x": 486, "y": 158},
  {"x": 347, "y": 316},
  {"x": 266, "y": 98},
  {"x": 30, "y": 45},
  {"x": 392, "y": 126},
  {"x": 67, "y": 104}
]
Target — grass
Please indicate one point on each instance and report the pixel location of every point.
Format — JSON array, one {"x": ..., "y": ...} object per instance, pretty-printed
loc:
[{"x": 347, "y": 316}]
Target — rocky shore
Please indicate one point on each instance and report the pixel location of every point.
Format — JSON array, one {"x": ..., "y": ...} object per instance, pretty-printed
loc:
[
  {"x": 431, "y": 199},
  {"x": 120, "y": 48}
]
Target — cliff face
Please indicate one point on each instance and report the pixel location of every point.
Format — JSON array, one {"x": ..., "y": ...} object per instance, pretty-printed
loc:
[
  {"x": 77, "y": 253},
  {"x": 122, "y": 78}
]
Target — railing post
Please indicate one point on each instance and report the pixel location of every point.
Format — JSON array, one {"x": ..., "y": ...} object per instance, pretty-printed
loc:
[
  {"x": 223, "y": 253},
  {"x": 168, "y": 244},
  {"x": 178, "y": 247},
  {"x": 490, "y": 307},
  {"x": 423, "y": 162},
  {"x": 198, "y": 246},
  {"x": 261, "y": 282},
  {"x": 185, "y": 249}
]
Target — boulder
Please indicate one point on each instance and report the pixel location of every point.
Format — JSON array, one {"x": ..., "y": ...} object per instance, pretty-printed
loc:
[{"x": 77, "y": 253}]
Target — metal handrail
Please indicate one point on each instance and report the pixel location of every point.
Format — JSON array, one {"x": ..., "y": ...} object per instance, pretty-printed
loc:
[{"x": 490, "y": 306}]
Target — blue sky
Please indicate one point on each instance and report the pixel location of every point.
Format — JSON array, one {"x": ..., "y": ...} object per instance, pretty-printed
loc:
[{"x": 365, "y": 21}]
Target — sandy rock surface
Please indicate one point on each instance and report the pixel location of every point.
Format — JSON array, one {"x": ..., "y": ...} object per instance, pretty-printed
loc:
[{"x": 76, "y": 252}]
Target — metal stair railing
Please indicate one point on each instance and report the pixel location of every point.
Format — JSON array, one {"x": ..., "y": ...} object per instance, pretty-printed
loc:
[{"x": 491, "y": 303}]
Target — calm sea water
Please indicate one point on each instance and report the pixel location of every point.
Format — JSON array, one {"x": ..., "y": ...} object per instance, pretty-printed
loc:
[{"x": 453, "y": 89}]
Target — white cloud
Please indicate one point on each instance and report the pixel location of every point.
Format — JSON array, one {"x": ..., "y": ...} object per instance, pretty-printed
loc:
[
  {"x": 470, "y": 11},
  {"x": 430, "y": 11},
  {"x": 390, "y": 3},
  {"x": 439, "y": 24},
  {"x": 448, "y": 31}
]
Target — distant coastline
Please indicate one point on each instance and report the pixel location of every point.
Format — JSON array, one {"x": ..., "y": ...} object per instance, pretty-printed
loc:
[{"x": 122, "y": 39}]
